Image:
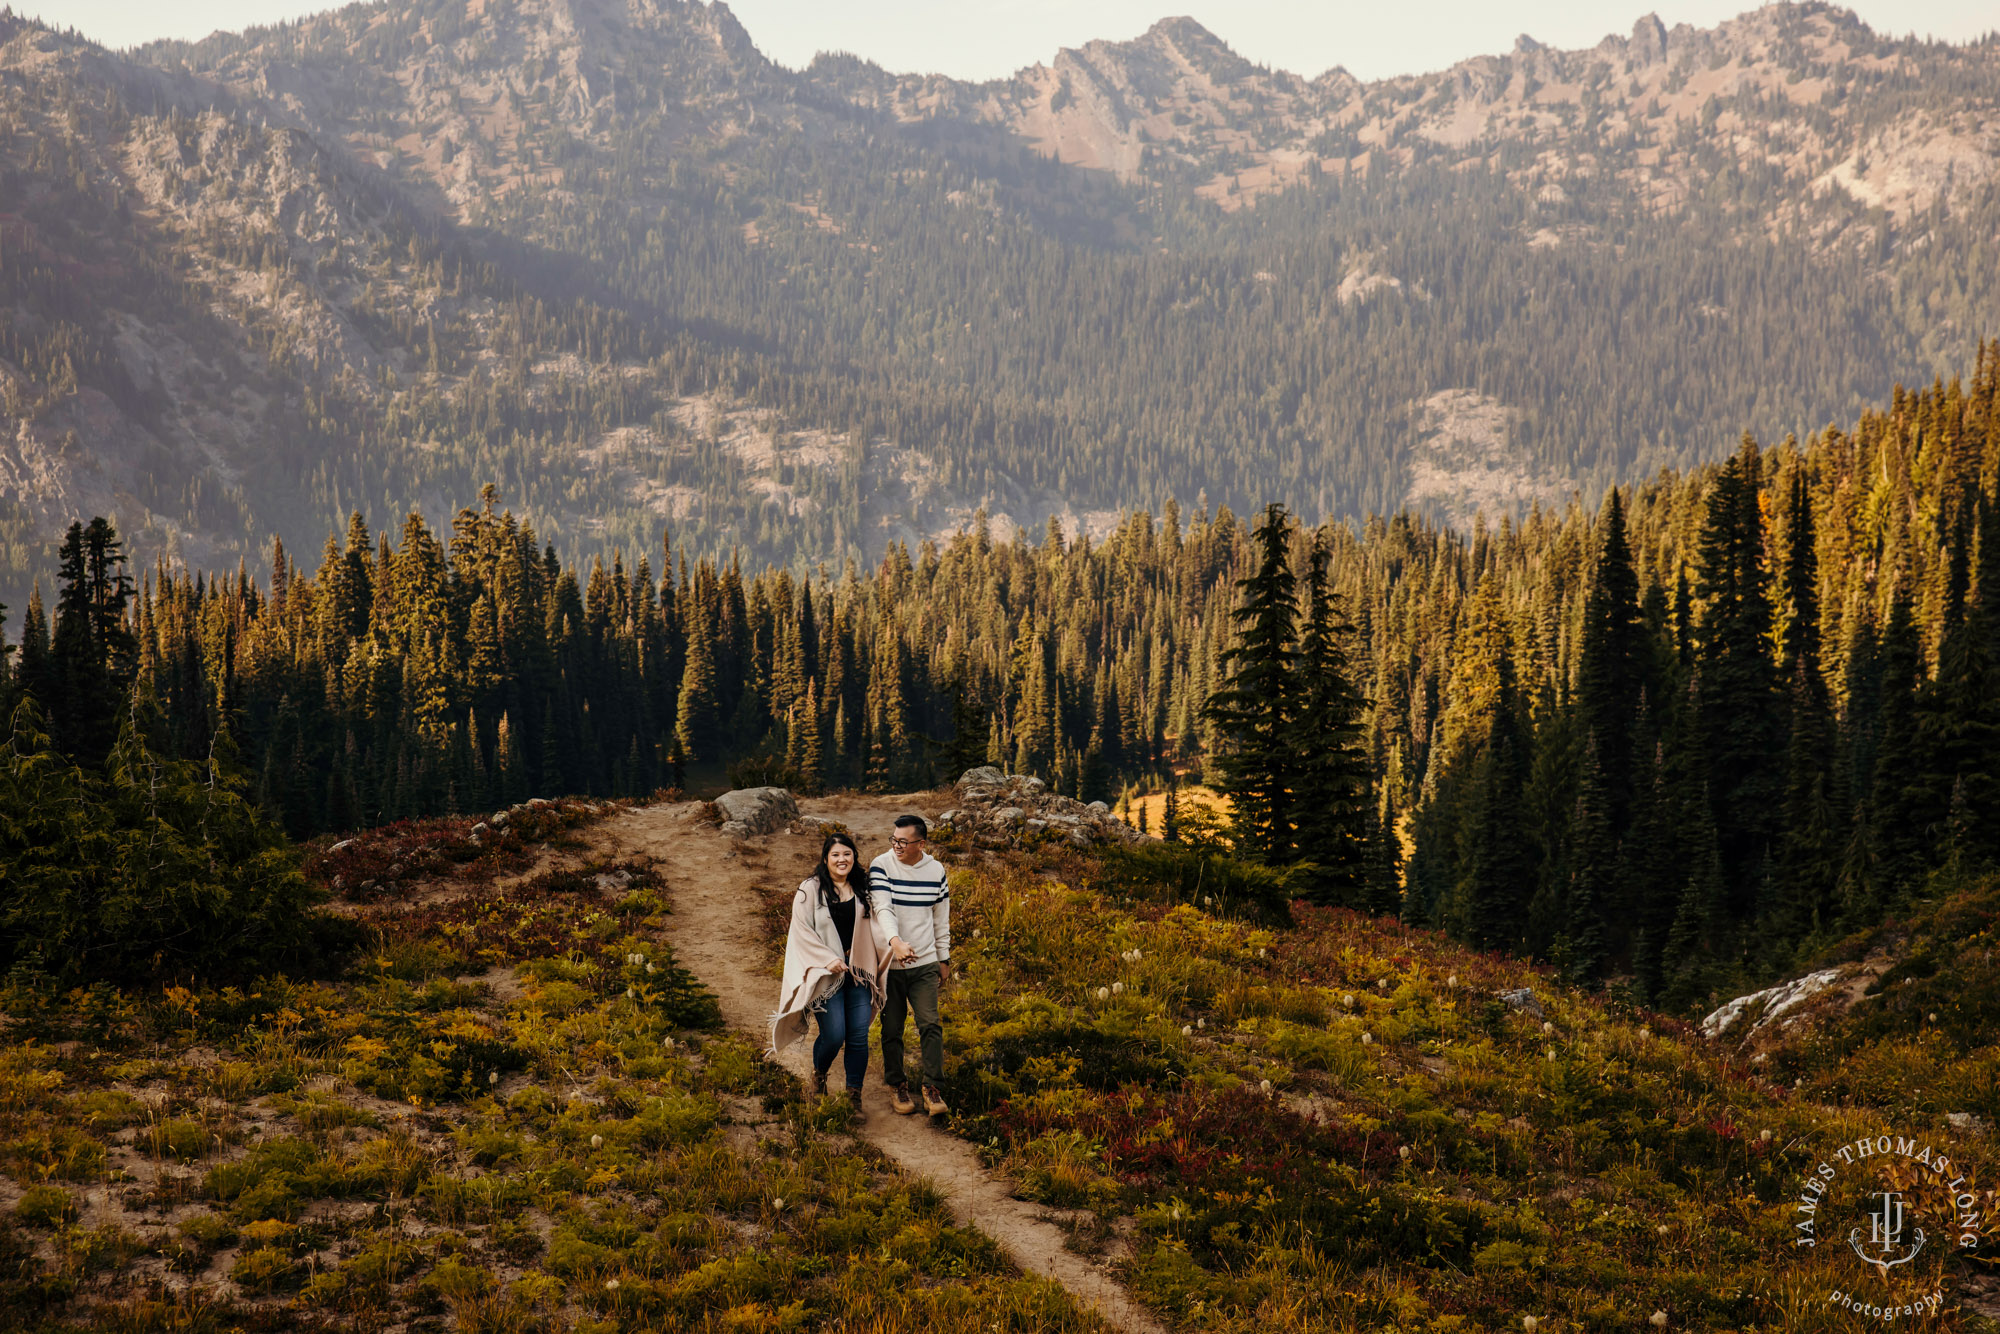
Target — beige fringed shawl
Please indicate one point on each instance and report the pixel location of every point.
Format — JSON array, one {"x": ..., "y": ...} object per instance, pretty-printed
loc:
[{"x": 810, "y": 960}]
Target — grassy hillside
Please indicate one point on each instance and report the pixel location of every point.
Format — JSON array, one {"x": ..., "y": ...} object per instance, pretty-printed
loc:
[
  {"x": 513, "y": 1112},
  {"x": 1342, "y": 1124}
]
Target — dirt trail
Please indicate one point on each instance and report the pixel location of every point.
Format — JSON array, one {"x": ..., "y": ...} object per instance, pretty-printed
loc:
[{"x": 718, "y": 932}]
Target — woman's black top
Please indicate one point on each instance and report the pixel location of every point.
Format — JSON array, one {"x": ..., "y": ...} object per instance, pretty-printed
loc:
[{"x": 843, "y": 922}]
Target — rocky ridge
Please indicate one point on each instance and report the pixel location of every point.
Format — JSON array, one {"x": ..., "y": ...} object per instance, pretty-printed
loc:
[{"x": 996, "y": 809}]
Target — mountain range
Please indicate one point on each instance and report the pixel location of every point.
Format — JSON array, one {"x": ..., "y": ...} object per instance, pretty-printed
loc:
[{"x": 606, "y": 256}]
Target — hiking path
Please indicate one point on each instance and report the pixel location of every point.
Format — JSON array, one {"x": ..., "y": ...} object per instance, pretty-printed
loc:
[{"x": 719, "y": 931}]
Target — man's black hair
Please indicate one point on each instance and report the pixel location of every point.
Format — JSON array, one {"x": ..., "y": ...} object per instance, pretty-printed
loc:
[{"x": 915, "y": 822}]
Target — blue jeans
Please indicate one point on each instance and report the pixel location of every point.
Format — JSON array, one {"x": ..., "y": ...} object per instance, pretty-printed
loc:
[{"x": 843, "y": 1024}]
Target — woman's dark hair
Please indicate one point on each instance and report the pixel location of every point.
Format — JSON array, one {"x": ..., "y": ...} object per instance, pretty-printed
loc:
[{"x": 857, "y": 879}]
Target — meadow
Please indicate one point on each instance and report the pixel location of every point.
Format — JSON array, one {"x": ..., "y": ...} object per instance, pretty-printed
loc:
[{"x": 512, "y": 1111}]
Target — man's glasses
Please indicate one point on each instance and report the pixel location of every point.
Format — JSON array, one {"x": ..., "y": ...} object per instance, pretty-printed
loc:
[{"x": 906, "y": 842}]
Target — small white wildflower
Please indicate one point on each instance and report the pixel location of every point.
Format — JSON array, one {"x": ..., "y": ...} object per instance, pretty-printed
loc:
[
  {"x": 1367, "y": 1039},
  {"x": 1764, "y": 1135},
  {"x": 1117, "y": 988},
  {"x": 597, "y": 1141},
  {"x": 1663, "y": 1229},
  {"x": 611, "y": 1285},
  {"x": 1348, "y": 1000},
  {"x": 1550, "y": 1053},
  {"x": 778, "y": 1204},
  {"x": 1201, "y": 1023},
  {"x": 1260, "y": 951},
  {"x": 1658, "y": 1320},
  {"x": 1451, "y": 981},
  {"x": 1104, "y": 993},
  {"x": 1264, "y": 1086},
  {"x": 667, "y": 1042},
  {"x": 631, "y": 993},
  {"x": 1208, "y": 900},
  {"x": 1187, "y": 1030},
  {"x": 1933, "y": 1016},
  {"x": 1381, "y": 984},
  {"x": 976, "y": 933},
  {"x": 1645, "y": 1032},
  {"x": 1404, "y": 1152},
  {"x": 651, "y": 969},
  {"x": 1548, "y": 1028},
  {"x": 1177, "y": 1213},
  {"x": 493, "y": 1077},
  {"x": 1136, "y": 955},
  {"x": 1528, "y": 1323},
  {"x": 635, "y": 959}
]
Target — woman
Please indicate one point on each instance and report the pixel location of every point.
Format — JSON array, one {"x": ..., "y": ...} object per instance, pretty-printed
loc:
[{"x": 834, "y": 956}]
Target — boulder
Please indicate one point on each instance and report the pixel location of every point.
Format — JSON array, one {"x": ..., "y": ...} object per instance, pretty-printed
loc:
[
  {"x": 751, "y": 811},
  {"x": 1523, "y": 999},
  {"x": 983, "y": 776}
]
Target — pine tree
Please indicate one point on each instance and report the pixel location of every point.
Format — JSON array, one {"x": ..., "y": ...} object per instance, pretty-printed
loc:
[
  {"x": 1501, "y": 873},
  {"x": 1333, "y": 796},
  {"x": 1739, "y": 700},
  {"x": 1609, "y": 662},
  {"x": 699, "y": 729},
  {"x": 1254, "y": 709},
  {"x": 510, "y": 778}
]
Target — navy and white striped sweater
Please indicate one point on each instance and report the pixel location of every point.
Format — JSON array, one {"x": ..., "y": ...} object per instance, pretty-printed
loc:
[{"x": 916, "y": 900}]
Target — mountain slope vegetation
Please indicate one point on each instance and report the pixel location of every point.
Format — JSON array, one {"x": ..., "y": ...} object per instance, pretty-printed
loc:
[{"x": 610, "y": 257}]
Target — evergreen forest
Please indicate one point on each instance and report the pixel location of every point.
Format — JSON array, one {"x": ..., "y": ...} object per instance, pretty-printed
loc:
[{"x": 1679, "y": 739}]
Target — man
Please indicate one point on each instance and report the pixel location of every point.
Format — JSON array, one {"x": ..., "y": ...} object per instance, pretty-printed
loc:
[{"x": 907, "y": 892}]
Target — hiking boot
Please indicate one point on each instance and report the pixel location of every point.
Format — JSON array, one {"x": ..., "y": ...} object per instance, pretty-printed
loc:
[
  {"x": 899, "y": 1101},
  {"x": 934, "y": 1101},
  {"x": 856, "y": 1113},
  {"x": 819, "y": 1084}
]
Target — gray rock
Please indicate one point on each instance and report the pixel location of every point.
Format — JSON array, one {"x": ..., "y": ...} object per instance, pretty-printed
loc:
[
  {"x": 984, "y": 773},
  {"x": 1010, "y": 815},
  {"x": 1966, "y": 1123},
  {"x": 1028, "y": 783},
  {"x": 1100, "y": 808},
  {"x": 481, "y": 830},
  {"x": 342, "y": 846},
  {"x": 1038, "y": 825},
  {"x": 499, "y": 821},
  {"x": 760, "y": 810},
  {"x": 1523, "y": 999}
]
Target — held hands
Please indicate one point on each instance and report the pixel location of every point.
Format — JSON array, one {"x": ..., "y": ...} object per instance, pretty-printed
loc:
[
  {"x": 900, "y": 951},
  {"x": 838, "y": 969}
]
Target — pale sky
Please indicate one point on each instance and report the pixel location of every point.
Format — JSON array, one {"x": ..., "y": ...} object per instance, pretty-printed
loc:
[{"x": 982, "y": 39}]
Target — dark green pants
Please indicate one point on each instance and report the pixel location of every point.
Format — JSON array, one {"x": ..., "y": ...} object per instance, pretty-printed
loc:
[{"x": 912, "y": 989}]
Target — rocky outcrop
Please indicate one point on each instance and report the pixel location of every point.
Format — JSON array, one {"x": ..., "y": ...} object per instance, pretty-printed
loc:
[
  {"x": 995, "y": 809},
  {"x": 750, "y": 811}
]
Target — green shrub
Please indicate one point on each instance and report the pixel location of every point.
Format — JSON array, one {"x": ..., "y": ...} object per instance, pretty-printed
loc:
[
  {"x": 211, "y": 1231},
  {"x": 45, "y": 1206},
  {"x": 177, "y": 1138},
  {"x": 1157, "y": 871},
  {"x": 265, "y": 1269},
  {"x": 153, "y": 867}
]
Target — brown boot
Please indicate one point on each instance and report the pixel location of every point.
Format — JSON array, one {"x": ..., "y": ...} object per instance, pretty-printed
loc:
[
  {"x": 934, "y": 1101},
  {"x": 819, "y": 1084},
  {"x": 856, "y": 1113},
  {"x": 899, "y": 1100}
]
